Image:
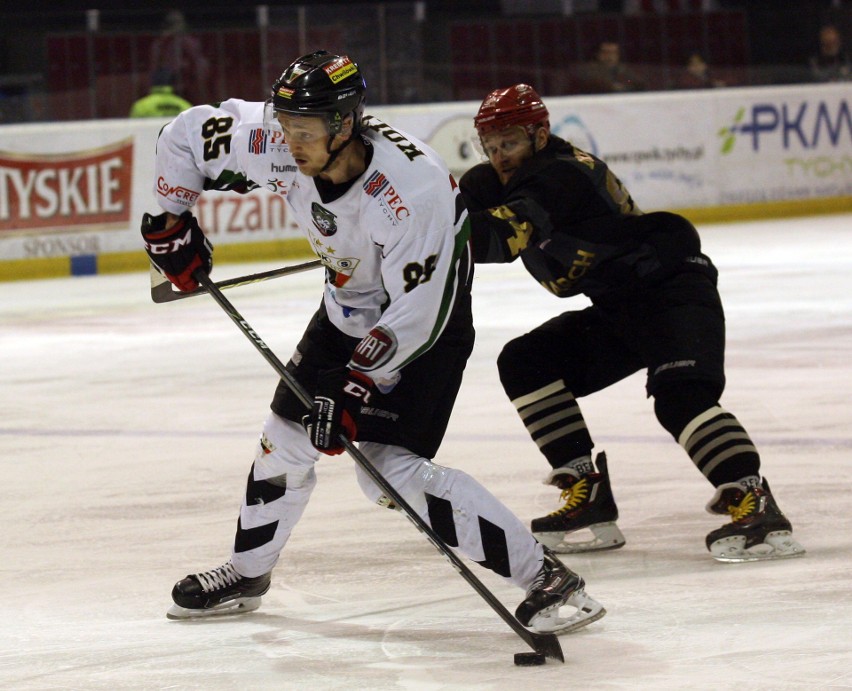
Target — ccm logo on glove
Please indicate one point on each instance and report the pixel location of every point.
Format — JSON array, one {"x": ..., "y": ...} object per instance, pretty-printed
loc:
[
  {"x": 336, "y": 408},
  {"x": 177, "y": 251},
  {"x": 172, "y": 246},
  {"x": 358, "y": 388}
]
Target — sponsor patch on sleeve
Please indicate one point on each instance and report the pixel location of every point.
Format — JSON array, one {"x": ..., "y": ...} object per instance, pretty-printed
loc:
[{"x": 374, "y": 350}]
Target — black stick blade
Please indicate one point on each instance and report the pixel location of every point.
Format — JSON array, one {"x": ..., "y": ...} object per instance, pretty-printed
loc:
[{"x": 548, "y": 645}]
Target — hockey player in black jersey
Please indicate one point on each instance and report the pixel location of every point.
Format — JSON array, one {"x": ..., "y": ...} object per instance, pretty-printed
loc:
[{"x": 655, "y": 306}]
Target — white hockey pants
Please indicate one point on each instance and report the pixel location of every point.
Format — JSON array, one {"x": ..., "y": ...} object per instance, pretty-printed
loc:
[{"x": 455, "y": 505}]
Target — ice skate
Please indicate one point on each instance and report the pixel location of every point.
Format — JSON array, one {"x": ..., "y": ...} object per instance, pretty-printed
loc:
[
  {"x": 557, "y": 586},
  {"x": 758, "y": 530},
  {"x": 589, "y": 506},
  {"x": 217, "y": 592}
]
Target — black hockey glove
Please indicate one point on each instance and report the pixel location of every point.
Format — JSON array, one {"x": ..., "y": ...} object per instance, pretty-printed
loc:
[
  {"x": 178, "y": 251},
  {"x": 340, "y": 393}
]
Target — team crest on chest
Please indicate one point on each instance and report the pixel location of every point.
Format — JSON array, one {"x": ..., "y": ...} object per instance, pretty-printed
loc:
[
  {"x": 324, "y": 220},
  {"x": 339, "y": 270}
]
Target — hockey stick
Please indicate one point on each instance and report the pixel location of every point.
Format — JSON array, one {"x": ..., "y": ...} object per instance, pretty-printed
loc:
[
  {"x": 161, "y": 287},
  {"x": 544, "y": 643}
]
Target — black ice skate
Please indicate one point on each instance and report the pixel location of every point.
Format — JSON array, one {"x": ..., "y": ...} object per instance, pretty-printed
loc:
[
  {"x": 216, "y": 592},
  {"x": 556, "y": 586},
  {"x": 588, "y": 504},
  {"x": 757, "y": 531}
]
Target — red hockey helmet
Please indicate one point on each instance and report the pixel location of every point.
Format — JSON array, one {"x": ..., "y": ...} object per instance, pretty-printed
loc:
[{"x": 516, "y": 105}]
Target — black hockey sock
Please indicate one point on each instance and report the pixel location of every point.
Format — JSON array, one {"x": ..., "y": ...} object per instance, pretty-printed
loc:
[
  {"x": 554, "y": 421},
  {"x": 720, "y": 447},
  {"x": 715, "y": 440}
]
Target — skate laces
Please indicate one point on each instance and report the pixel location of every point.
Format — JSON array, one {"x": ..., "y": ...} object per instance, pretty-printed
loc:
[
  {"x": 573, "y": 496},
  {"x": 538, "y": 581},
  {"x": 541, "y": 577},
  {"x": 552, "y": 577},
  {"x": 219, "y": 577}
]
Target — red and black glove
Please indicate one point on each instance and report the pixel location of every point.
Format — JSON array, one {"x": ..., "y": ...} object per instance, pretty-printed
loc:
[
  {"x": 339, "y": 395},
  {"x": 177, "y": 251}
]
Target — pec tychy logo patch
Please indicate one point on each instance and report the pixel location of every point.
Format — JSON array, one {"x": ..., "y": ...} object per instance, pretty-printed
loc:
[{"x": 324, "y": 220}]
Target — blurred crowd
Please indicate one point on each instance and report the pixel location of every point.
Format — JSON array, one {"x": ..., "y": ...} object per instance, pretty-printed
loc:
[
  {"x": 607, "y": 72},
  {"x": 179, "y": 65}
]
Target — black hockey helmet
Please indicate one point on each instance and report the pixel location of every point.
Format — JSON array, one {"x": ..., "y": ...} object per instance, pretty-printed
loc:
[{"x": 322, "y": 83}]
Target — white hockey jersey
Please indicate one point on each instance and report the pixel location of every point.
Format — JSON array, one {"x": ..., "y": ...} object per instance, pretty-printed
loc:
[{"x": 394, "y": 243}]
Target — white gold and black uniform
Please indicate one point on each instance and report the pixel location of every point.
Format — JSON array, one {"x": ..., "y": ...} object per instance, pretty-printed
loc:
[{"x": 396, "y": 307}]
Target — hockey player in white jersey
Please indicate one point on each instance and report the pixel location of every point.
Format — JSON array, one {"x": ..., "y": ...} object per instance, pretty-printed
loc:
[{"x": 384, "y": 354}]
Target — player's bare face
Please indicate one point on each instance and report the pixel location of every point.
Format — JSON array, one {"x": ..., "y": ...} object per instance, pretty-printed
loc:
[
  {"x": 308, "y": 140},
  {"x": 507, "y": 151}
]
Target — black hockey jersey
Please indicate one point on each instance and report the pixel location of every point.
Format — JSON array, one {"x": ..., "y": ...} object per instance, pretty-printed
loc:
[{"x": 575, "y": 226}]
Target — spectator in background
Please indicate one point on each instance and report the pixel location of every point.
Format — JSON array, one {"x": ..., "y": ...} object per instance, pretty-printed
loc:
[
  {"x": 162, "y": 101},
  {"x": 179, "y": 53},
  {"x": 696, "y": 75},
  {"x": 831, "y": 63},
  {"x": 607, "y": 73}
]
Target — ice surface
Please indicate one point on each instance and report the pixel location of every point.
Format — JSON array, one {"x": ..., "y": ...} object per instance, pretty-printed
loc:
[{"x": 127, "y": 430}]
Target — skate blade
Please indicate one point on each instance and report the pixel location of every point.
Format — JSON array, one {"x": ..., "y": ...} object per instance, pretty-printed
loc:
[
  {"x": 587, "y": 611},
  {"x": 241, "y": 606},
  {"x": 604, "y": 536},
  {"x": 778, "y": 545}
]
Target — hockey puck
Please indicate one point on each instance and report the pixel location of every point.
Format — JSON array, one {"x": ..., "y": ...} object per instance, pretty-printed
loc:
[{"x": 529, "y": 659}]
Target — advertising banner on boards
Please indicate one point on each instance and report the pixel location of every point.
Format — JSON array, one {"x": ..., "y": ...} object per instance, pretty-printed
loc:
[{"x": 80, "y": 188}]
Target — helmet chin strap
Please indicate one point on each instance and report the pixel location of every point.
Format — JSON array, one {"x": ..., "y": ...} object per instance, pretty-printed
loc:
[{"x": 332, "y": 155}]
